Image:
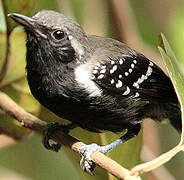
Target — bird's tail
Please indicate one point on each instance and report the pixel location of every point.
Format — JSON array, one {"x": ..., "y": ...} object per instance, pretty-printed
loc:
[{"x": 174, "y": 115}]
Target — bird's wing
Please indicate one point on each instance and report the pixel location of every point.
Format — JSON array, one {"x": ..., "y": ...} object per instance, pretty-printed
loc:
[{"x": 127, "y": 73}]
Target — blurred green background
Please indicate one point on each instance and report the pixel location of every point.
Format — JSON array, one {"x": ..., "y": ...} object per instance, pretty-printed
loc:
[{"x": 137, "y": 23}]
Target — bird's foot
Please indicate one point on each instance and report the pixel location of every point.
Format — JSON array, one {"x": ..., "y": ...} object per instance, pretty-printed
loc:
[
  {"x": 86, "y": 152},
  {"x": 50, "y": 129}
]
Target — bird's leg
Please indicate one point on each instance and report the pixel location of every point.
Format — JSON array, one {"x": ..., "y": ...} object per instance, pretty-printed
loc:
[
  {"x": 87, "y": 150},
  {"x": 50, "y": 129}
]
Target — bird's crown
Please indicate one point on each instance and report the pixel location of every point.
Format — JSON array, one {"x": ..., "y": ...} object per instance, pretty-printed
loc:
[{"x": 55, "y": 20}]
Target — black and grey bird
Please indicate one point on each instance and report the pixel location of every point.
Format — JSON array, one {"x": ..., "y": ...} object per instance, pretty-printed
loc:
[{"x": 97, "y": 83}]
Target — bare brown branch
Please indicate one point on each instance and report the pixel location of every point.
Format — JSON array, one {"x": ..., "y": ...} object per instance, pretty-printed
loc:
[{"x": 29, "y": 121}]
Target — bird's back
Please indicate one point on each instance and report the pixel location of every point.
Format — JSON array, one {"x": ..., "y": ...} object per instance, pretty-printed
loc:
[{"x": 157, "y": 89}]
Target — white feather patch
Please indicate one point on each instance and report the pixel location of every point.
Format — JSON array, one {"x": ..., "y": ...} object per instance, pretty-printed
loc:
[
  {"x": 119, "y": 84},
  {"x": 83, "y": 77},
  {"x": 77, "y": 46},
  {"x": 127, "y": 91}
]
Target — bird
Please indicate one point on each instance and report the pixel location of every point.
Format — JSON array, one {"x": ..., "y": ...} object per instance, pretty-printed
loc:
[{"x": 97, "y": 83}]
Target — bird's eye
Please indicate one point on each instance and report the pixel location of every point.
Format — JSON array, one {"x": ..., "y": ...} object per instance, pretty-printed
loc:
[{"x": 58, "y": 35}]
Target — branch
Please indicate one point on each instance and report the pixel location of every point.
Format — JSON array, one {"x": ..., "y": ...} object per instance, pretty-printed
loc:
[
  {"x": 7, "y": 54},
  {"x": 162, "y": 172},
  {"x": 157, "y": 162},
  {"x": 27, "y": 120}
]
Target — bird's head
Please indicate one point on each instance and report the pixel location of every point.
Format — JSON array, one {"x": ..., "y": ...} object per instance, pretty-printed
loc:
[{"x": 52, "y": 35}]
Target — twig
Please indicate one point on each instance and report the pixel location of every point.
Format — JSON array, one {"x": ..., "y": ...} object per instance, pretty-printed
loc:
[
  {"x": 160, "y": 173},
  {"x": 7, "y": 54},
  {"x": 151, "y": 165},
  {"x": 29, "y": 121}
]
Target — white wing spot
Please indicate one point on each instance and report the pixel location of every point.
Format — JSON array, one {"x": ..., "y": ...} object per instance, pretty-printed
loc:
[
  {"x": 103, "y": 67},
  {"x": 126, "y": 55},
  {"x": 112, "y": 81},
  {"x": 120, "y": 76},
  {"x": 151, "y": 64},
  {"x": 130, "y": 70},
  {"x": 103, "y": 71},
  {"x": 127, "y": 91},
  {"x": 126, "y": 73},
  {"x": 132, "y": 65},
  {"x": 96, "y": 67},
  {"x": 112, "y": 62},
  {"x": 95, "y": 71},
  {"x": 140, "y": 80},
  {"x": 119, "y": 84},
  {"x": 143, "y": 77},
  {"x": 115, "y": 67},
  {"x": 149, "y": 71},
  {"x": 121, "y": 61},
  {"x": 100, "y": 77},
  {"x": 135, "y": 61},
  {"x": 111, "y": 71},
  {"x": 136, "y": 85},
  {"x": 137, "y": 95}
]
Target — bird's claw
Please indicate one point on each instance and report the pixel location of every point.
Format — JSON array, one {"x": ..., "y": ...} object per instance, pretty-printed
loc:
[
  {"x": 47, "y": 132},
  {"x": 86, "y": 152},
  {"x": 50, "y": 129},
  {"x": 87, "y": 165}
]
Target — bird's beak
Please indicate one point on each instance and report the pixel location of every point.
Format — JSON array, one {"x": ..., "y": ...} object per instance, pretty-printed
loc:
[{"x": 29, "y": 23}]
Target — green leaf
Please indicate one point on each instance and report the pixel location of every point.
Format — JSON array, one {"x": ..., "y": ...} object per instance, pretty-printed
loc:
[
  {"x": 175, "y": 73},
  {"x": 175, "y": 29},
  {"x": 17, "y": 63},
  {"x": 2, "y": 48},
  {"x": 2, "y": 21}
]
